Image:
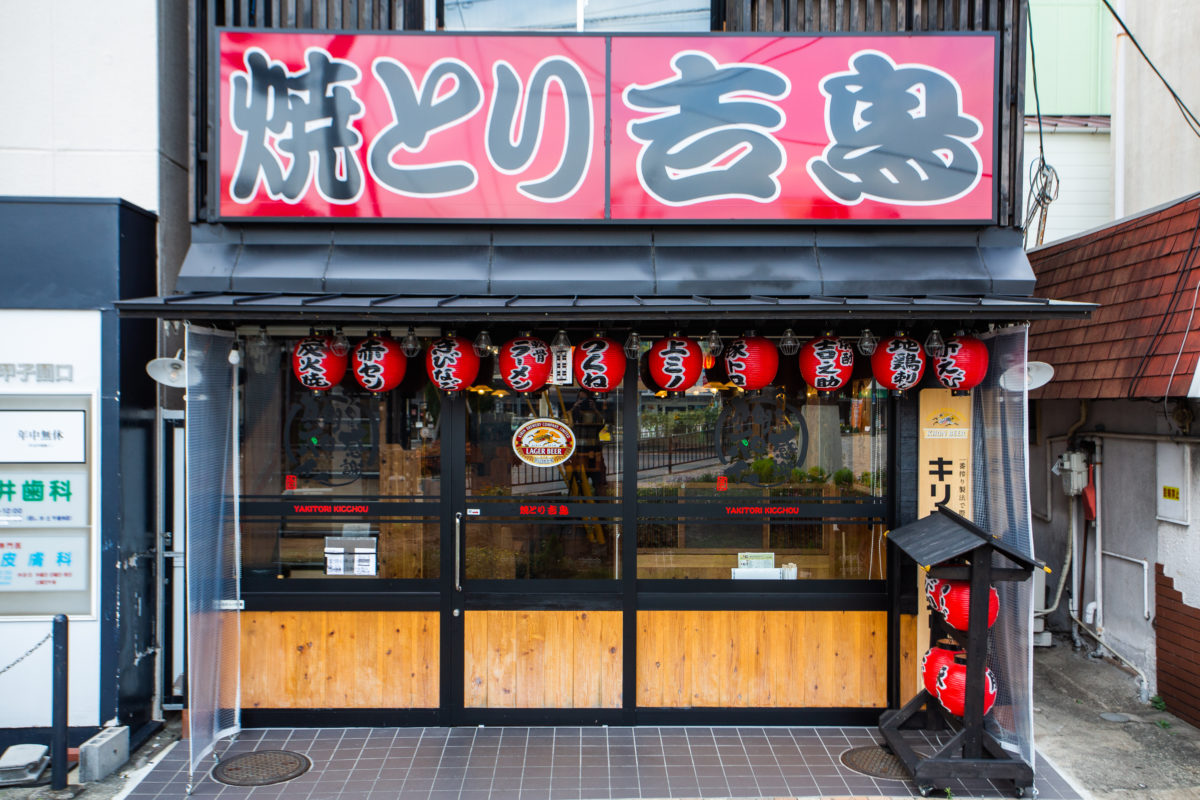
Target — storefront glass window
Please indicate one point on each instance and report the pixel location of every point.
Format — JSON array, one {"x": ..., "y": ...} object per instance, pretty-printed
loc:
[
  {"x": 779, "y": 478},
  {"x": 321, "y": 469}
]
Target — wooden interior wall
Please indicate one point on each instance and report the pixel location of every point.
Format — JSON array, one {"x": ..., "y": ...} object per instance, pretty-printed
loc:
[
  {"x": 762, "y": 659},
  {"x": 1177, "y": 638},
  {"x": 910, "y": 658},
  {"x": 340, "y": 659},
  {"x": 542, "y": 659}
]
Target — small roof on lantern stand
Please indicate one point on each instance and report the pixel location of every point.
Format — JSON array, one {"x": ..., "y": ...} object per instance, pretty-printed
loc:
[{"x": 945, "y": 535}]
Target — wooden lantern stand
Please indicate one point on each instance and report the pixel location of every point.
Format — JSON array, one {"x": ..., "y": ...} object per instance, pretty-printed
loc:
[{"x": 973, "y": 752}]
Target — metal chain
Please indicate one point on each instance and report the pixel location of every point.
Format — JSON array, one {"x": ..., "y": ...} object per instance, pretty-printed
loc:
[{"x": 27, "y": 653}]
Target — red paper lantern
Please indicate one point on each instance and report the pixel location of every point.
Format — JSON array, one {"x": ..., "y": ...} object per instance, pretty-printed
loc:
[
  {"x": 826, "y": 363},
  {"x": 525, "y": 363},
  {"x": 964, "y": 365},
  {"x": 751, "y": 362},
  {"x": 898, "y": 363},
  {"x": 953, "y": 600},
  {"x": 315, "y": 364},
  {"x": 599, "y": 364},
  {"x": 935, "y": 658},
  {"x": 378, "y": 363},
  {"x": 675, "y": 363},
  {"x": 451, "y": 363},
  {"x": 951, "y": 687},
  {"x": 647, "y": 378}
]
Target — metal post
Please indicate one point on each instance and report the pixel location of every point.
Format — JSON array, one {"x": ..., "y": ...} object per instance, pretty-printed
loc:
[{"x": 58, "y": 713}]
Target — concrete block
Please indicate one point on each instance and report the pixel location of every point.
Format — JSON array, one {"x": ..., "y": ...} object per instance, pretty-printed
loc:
[{"x": 103, "y": 754}]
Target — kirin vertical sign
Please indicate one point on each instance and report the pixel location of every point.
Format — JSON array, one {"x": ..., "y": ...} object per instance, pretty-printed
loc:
[{"x": 944, "y": 453}]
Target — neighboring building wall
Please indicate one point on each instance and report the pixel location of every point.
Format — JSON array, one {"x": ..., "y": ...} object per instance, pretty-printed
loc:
[
  {"x": 1073, "y": 43},
  {"x": 97, "y": 106},
  {"x": 1161, "y": 159},
  {"x": 1082, "y": 157},
  {"x": 1128, "y": 487}
]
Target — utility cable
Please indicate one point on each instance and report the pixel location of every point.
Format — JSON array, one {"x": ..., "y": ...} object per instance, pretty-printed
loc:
[
  {"x": 1043, "y": 179},
  {"x": 1188, "y": 116},
  {"x": 1185, "y": 269}
]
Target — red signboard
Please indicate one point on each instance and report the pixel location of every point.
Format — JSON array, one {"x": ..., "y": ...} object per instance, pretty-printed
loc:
[{"x": 424, "y": 126}]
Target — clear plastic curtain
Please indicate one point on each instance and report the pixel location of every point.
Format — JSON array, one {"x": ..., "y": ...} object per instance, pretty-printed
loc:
[
  {"x": 212, "y": 546},
  {"x": 1001, "y": 507}
]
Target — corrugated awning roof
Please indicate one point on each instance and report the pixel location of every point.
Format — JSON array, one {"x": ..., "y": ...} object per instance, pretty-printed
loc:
[{"x": 361, "y": 272}]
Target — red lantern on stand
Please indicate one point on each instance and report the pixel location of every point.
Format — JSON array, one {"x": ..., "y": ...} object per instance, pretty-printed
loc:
[
  {"x": 952, "y": 686},
  {"x": 525, "y": 363},
  {"x": 935, "y": 658},
  {"x": 451, "y": 363},
  {"x": 953, "y": 600},
  {"x": 599, "y": 364},
  {"x": 752, "y": 362},
  {"x": 675, "y": 363},
  {"x": 315, "y": 364},
  {"x": 826, "y": 363},
  {"x": 898, "y": 363},
  {"x": 964, "y": 364},
  {"x": 378, "y": 363}
]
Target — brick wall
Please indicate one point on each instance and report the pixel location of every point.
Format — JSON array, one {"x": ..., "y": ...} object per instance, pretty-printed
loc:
[{"x": 1178, "y": 643}]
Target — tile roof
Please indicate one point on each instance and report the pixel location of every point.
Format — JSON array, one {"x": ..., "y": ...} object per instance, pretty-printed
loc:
[
  {"x": 1052, "y": 123},
  {"x": 1131, "y": 268}
]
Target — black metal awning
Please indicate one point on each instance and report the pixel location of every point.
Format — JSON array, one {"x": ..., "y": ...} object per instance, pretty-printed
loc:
[
  {"x": 269, "y": 273},
  {"x": 311, "y": 308}
]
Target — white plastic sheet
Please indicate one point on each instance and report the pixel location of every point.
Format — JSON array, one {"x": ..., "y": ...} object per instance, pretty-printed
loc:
[
  {"x": 1001, "y": 507},
  {"x": 212, "y": 547}
]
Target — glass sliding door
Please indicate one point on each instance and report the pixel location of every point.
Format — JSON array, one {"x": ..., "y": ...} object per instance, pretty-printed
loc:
[{"x": 537, "y": 539}]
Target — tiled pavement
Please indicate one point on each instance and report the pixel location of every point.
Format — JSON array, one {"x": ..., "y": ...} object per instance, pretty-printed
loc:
[{"x": 506, "y": 763}]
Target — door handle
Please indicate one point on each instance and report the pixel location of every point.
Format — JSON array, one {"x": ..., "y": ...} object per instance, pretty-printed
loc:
[{"x": 458, "y": 551}]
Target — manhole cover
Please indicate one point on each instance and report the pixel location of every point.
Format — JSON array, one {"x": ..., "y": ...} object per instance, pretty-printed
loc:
[
  {"x": 876, "y": 762},
  {"x": 261, "y": 768},
  {"x": 1113, "y": 716}
]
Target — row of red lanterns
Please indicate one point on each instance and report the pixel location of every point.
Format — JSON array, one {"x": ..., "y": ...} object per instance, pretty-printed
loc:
[
  {"x": 673, "y": 363},
  {"x": 378, "y": 363}
]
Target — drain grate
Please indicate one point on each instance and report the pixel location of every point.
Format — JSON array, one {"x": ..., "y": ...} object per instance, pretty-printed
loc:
[
  {"x": 261, "y": 768},
  {"x": 876, "y": 762}
]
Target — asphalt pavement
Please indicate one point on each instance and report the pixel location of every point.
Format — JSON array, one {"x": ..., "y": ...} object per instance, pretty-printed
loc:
[{"x": 1133, "y": 752}]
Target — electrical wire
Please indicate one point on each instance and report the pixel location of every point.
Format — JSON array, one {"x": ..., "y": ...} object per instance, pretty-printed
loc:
[
  {"x": 1188, "y": 116},
  {"x": 1186, "y": 266},
  {"x": 1043, "y": 179},
  {"x": 1185, "y": 270}
]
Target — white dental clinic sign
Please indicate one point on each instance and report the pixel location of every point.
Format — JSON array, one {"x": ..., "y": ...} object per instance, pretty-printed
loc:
[
  {"x": 30, "y": 499},
  {"x": 36, "y": 562}
]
